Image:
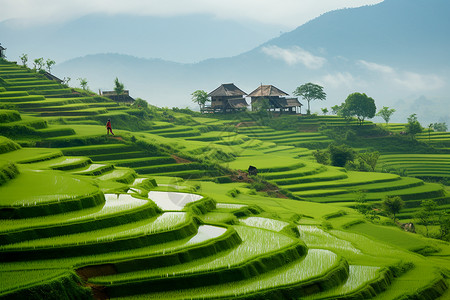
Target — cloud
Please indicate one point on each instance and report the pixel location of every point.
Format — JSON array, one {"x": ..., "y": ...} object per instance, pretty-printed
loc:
[
  {"x": 340, "y": 79},
  {"x": 376, "y": 67},
  {"x": 286, "y": 13},
  {"x": 295, "y": 55},
  {"x": 412, "y": 81}
]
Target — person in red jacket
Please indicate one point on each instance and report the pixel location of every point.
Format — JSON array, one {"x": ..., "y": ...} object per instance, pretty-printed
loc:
[{"x": 108, "y": 127}]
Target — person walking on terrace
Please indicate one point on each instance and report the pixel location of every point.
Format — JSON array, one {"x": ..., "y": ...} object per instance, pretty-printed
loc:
[{"x": 108, "y": 127}]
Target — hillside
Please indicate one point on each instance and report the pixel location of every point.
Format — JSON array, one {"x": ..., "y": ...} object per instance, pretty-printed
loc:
[
  {"x": 157, "y": 211},
  {"x": 402, "y": 61}
]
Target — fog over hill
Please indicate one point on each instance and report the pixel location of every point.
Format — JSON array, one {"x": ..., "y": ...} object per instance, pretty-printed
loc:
[{"x": 395, "y": 51}]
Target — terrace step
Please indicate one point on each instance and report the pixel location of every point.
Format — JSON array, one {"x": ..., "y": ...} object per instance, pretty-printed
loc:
[
  {"x": 189, "y": 174},
  {"x": 328, "y": 175},
  {"x": 118, "y": 209},
  {"x": 80, "y": 112},
  {"x": 63, "y": 163},
  {"x": 7, "y": 145},
  {"x": 249, "y": 258},
  {"x": 93, "y": 170},
  {"x": 145, "y": 161},
  {"x": 292, "y": 280},
  {"x": 94, "y": 150},
  {"x": 354, "y": 179},
  {"x": 41, "y": 198},
  {"x": 363, "y": 282},
  {"x": 174, "y": 201},
  {"x": 163, "y": 168},
  {"x": 167, "y": 227},
  {"x": 309, "y": 169},
  {"x": 56, "y": 282},
  {"x": 123, "y": 175},
  {"x": 8, "y": 171},
  {"x": 19, "y": 99}
]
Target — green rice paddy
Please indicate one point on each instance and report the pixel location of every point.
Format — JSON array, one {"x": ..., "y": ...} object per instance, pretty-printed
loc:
[{"x": 148, "y": 213}]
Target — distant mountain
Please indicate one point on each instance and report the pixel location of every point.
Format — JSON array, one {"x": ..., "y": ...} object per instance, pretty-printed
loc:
[
  {"x": 395, "y": 51},
  {"x": 402, "y": 32},
  {"x": 188, "y": 38}
]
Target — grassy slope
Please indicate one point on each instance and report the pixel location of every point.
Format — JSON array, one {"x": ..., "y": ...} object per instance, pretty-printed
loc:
[{"x": 370, "y": 240}]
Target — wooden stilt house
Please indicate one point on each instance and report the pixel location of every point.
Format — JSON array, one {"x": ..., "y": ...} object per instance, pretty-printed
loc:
[
  {"x": 227, "y": 98},
  {"x": 277, "y": 100}
]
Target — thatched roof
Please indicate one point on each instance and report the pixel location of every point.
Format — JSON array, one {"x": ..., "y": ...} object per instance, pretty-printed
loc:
[
  {"x": 52, "y": 77},
  {"x": 1, "y": 47},
  {"x": 237, "y": 103},
  {"x": 125, "y": 97},
  {"x": 267, "y": 91},
  {"x": 289, "y": 102},
  {"x": 228, "y": 90}
]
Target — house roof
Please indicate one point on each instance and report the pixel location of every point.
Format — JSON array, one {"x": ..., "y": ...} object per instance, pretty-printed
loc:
[
  {"x": 1, "y": 47},
  {"x": 227, "y": 89},
  {"x": 52, "y": 77},
  {"x": 237, "y": 103},
  {"x": 125, "y": 97},
  {"x": 290, "y": 102},
  {"x": 267, "y": 91}
]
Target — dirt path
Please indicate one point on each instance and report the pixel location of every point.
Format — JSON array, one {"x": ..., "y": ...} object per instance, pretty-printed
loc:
[{"x": 98, "y": 291}]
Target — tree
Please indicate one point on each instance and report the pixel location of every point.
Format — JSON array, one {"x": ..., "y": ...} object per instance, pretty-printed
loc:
[
  {"x": 66, "y": 80},
  {"x": 430, "y": 128},
  {"x": 24, "y": 59},
  {"x": 444, "y": 225},
  {"x": 310, "y": 91},
  {"x": 262, "y": 106},
  {"x": 393, "y": 205},
  {"x": 119, "y": 88},
  {"x": 83, "y": 83},
  {"x": 49, "y": 63},
  {"x": 324, "y": 110},
  {"x": 140, "y": 103},
  {"x": 370, "y": 158},
  {"x": 440, "y": 126},
  {"x": 335, "y": 109},
  {"x": 426, "y": 213},
  {"x": 38, "y": 63},
  {"x": 200, "y": 97},
  {"x": 340, "y": 155},
  {"x": 361, "y": 106},
  {"x": 386, "y": 113},
  {"x": 413, "y": 126}
]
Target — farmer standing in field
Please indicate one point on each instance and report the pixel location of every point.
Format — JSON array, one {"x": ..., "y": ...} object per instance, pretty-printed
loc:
[{"x": 108, "y": 127}]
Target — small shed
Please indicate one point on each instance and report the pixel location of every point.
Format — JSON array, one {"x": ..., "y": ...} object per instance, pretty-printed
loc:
[
  {"x": 123, "y": 98},
  {"x": 227, "y": 98},
  {"x": 2, "y": 51},
  {"x": 277, "y": 99},
  {"x": 50, "y": 76}
]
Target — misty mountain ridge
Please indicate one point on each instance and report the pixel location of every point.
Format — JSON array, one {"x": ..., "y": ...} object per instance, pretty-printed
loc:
[
  {"x": 397, "y": 53},
  {"x": 182, "y": 38}
]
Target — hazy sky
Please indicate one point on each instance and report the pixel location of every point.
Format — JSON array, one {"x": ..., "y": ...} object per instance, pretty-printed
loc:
[{"x": 287, "y": 14}]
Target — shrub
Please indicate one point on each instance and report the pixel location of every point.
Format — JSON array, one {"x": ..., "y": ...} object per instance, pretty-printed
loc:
[
  {"x": 322, "y": 156},
  {"x": 233, "y": 193},
  {"x": 340, "y": 154}
]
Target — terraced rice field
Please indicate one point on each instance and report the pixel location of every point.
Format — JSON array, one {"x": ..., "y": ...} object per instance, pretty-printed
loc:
[
  {"x": 417, "y": 165},
  {"x": 116, "y": 216}
]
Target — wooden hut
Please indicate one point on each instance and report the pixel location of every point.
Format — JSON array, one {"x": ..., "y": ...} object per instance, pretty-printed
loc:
[
  {"x": 227, "y": 98},
  {"x": 277, "y": 100},
  {"x": 123, "y": 98},
  {"x": 2, "y": 52}
]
